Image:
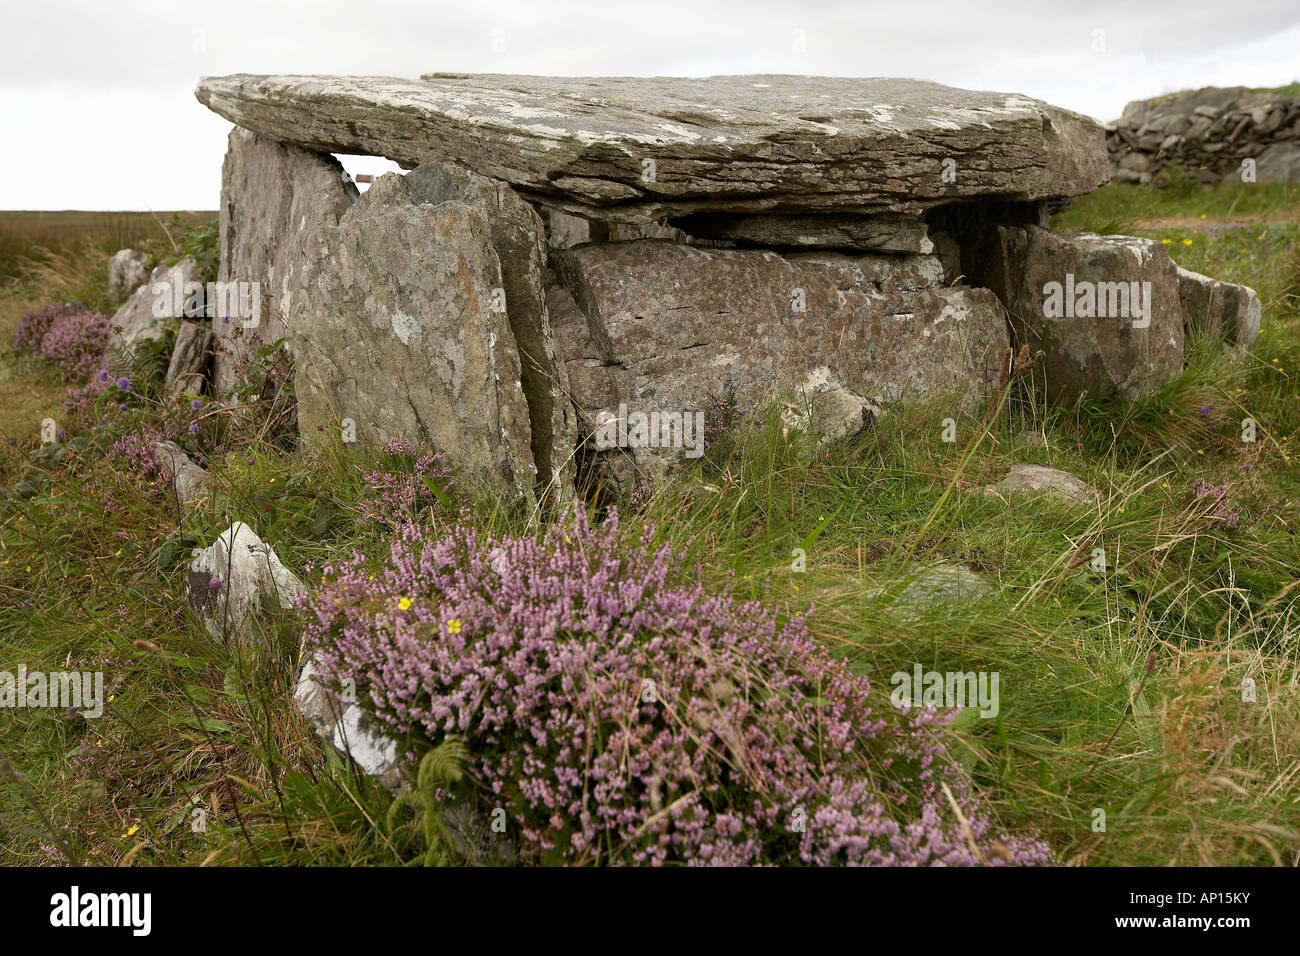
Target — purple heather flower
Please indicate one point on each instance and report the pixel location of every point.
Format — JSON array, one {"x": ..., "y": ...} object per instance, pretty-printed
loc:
[{"x": 194, "y": 428}]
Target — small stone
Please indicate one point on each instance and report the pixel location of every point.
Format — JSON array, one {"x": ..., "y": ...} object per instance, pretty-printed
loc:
[
  {"x": 188, "y": 480},
  {"x": 255, "y": 584},
  {"x": 127, "y": 268},
  {"x": 943, "y": 584},
  {"x": 1031, "y": 479}
]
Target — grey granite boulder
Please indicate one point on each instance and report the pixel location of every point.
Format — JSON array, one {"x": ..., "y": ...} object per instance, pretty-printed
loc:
[
  {"x": 167, "y": 293},
  {"x": 274, "y": 198},
  {"x": 1104, "y": 309},
  {"x": 127, "y": 268},
  {"x": 1033, "y": 479},
  {"x": 1226, "y": 310},
  {"x": 642, "y": 149},
  {"x": 401, "y": 329},
  {"x": 659, "y": 327},
  {"x": 189, "y": 481}
]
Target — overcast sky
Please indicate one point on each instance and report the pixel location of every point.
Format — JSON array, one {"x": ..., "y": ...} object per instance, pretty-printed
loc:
[{"x": 98, "y": 109}]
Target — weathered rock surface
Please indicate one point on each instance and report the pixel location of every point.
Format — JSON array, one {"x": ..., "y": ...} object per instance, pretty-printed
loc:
[
  {"x": 127, "y": 268},
  {"x": 274, "y": 197},
  {"x": 188, "y": 368},
  {"x": 398, "y": 330},
  {"x": 519, "y": 240},
  {"x": 1230, "y": 311},
  {"x": 188, "y": 480},
  {"x": 346, "y": 726},
  {"x": 885, "y": 233},
  {"x": 163, "y": 296},
  {"x": 237, "y": 581},
  {"x": 660, "y": 326},
  {"x": 642, "y": 149},
  {"x": 1081, "y": 298},
  {"x": 1032, "y": 479}
]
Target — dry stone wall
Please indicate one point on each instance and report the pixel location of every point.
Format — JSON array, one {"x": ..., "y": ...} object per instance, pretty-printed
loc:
[{"x": 1214, "y": 134}]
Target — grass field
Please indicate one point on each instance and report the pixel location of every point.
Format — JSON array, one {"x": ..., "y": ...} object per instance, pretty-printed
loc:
[{"x": 1126, "y": 691}]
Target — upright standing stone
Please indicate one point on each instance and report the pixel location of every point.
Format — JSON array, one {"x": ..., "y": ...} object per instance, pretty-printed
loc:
[
  {"x": 519, "y": 239},
  {"x": 187, "y": 370},
  {"x": 273, "y": 198},
  {"x": 398, "y": 329}
]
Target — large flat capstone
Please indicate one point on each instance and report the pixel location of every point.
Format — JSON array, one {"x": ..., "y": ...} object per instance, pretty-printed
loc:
[{"x": 640, "y": 149}]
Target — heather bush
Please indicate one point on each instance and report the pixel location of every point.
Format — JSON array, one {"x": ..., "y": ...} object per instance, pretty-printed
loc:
[
  {"x": 408, "y": 481},
  {"x": 619, "y": 712},
  {"x": 33, "y": 326},
  {"x": 723, "y": 414},
  {"x": 74, "y": 345},
  {"x": 66, "y": 339}
]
